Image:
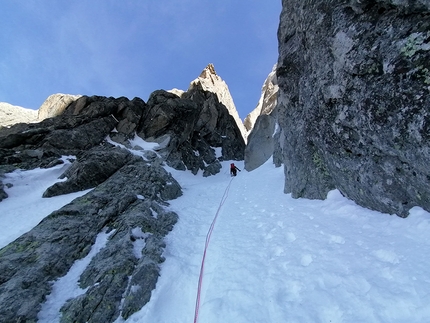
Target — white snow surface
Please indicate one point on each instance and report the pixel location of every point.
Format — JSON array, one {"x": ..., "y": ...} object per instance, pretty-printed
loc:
[
  {"x": 25, "y": 207},
  {"x": 271, "y": 258}
]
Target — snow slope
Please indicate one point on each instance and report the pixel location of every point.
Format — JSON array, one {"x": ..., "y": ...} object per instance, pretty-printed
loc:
[
  {"x": 272, "y": 258},
  {"x": 25, "y": 207}
]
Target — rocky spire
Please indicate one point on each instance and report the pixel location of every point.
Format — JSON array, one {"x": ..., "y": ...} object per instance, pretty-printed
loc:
[
  {"x": 267, "y": 102},
  {"x": 210, "y": 81}
]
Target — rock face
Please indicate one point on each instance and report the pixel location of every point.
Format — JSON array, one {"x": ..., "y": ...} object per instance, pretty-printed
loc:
[
  {"x": 262, "y": 129},
  {"x": 131, "y": 190},
  {"x": 261, "y": 142},
  {"x": 189, "y": 128},
  {"x": 211, "y": 82},
  {"x": 267, "y": 102},
  {"x": 55, "y": 104},
  {"x": 353, "y": 101},
  {"x": 12, "y": 114}
]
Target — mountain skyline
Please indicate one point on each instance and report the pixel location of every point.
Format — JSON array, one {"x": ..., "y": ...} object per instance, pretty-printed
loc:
[{"x": 132, "y": 49}]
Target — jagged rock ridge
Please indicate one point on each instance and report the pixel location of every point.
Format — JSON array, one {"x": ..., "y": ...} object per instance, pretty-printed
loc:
[
  {"x": 193, "y": 132},
  {"x": 353, "y": 101},
  {"x": 53, "y": 106}
]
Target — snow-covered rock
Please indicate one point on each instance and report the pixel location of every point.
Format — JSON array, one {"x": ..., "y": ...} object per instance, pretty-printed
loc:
[
  {"x": 176, "y": 91},
  {"x": 12, "y": 114}
]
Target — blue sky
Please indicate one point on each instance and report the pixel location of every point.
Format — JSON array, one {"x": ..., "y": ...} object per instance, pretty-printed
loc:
[{"x": 131, "y": 47}]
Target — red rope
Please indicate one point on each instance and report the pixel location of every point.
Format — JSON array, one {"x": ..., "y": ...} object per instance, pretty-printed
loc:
[{"x": 208, "y": 238}]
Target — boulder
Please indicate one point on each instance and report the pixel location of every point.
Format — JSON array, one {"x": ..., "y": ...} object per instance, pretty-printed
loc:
[
  {"x": 168, "y": 114},
  {"x": 353, "y": 101}
]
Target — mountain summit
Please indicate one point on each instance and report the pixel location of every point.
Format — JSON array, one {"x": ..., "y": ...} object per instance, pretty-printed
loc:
[{"x": 210, "y": 81}]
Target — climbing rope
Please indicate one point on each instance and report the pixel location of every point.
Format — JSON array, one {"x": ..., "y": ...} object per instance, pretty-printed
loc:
[{"x": 208, "y": 238}]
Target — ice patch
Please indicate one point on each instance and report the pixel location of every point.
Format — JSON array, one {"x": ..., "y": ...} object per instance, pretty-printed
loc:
[
  {"x": 218, "y": 151},
  {"x": 154, "y": 214},
  {"x": 139, "y": 142},
  {"x": 139, "y": 241}
]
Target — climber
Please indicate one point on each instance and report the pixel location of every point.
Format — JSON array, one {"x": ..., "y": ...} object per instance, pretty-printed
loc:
[{"x": 233, "y": 169}]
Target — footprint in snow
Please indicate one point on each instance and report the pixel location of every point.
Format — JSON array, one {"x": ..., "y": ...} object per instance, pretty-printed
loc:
[
  {"x": 306, "y": 260},
  {"x": 278, "y": 251},
  {"x": 291, "y": 237},
  {"x": 337, "y": 239},
  {"x": 269, "y": 236},
  {"x": 386, "y": 256}
]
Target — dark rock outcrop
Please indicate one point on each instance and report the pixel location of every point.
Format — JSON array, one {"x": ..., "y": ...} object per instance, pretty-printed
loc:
[
  {"x": 190, "y": 128},
  {"x": 68, "y": 134},
  {"x": 129, "y": 197},
  {"x": 353, "y": 101},
  {"x": 29, "y": 264},
  {"x": 3, "y": 194},
  {"x": 92, "y": 168}
]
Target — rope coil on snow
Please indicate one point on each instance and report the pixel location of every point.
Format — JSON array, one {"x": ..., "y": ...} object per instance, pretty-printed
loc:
[{"x": 208, "y": 238}]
